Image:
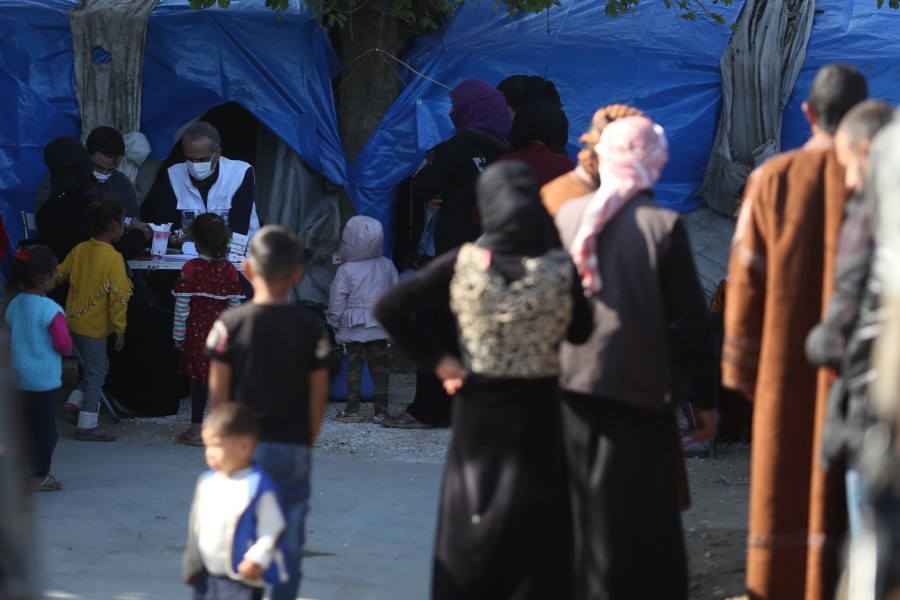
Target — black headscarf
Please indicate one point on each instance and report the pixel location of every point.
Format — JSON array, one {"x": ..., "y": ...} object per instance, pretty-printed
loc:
[
  {"x": 540, "y": 120},
  {"x": 519, "y": 89},
  {"x": 71, "y": 167},
  {"x": 512, "y": 215}
]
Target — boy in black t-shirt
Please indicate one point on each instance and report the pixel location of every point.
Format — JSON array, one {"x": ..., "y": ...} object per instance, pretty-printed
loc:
[{"x": 272, "y": 356}]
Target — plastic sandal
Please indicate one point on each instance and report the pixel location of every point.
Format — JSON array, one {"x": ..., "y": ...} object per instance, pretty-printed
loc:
[
  {"x": 348, "y": 417},
  {"x": 70, "y": 413},
  {"x": 184, "y": 438},
  {"x": 50, "y": 484},
  {"x": 93, "y": 435},
  {"x": 405, "y": 421}
]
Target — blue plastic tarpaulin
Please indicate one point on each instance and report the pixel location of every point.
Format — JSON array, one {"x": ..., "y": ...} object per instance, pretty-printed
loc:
[
  {"x": 281, "y": 70},
  {"x": 655, "y": 61},
  {"x": 37, "y": 89},
  {"x": 855, "y": 32}
]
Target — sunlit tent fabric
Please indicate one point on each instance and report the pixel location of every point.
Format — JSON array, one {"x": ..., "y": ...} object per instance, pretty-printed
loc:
[
  {"x": 854, "y": 32},
  {"x": 656, "y": 61},
  {"x": 281, "y": 71}
]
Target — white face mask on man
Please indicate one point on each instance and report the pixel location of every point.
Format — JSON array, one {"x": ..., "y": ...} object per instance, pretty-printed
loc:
[
  {"x": 102, "y": 177},
  {"x": 200, "y": 170}
]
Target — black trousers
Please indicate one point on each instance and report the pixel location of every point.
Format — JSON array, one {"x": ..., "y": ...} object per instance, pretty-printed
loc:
[
  {"x": 40, "y": 415},
  {"x": 432, "y": 404},
  {"x": 213, "y": 587},
  {"x": 623, "y": 475}
]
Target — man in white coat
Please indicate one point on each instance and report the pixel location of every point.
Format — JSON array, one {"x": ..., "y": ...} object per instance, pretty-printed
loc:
[{"x": 208, "y": 182}]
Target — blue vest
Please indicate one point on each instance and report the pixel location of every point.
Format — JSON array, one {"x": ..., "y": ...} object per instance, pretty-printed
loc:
[{"x": 245, "y": 531}]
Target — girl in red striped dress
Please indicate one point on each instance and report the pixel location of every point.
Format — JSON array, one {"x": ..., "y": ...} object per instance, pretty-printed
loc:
[{"x": 208, "y": 286}]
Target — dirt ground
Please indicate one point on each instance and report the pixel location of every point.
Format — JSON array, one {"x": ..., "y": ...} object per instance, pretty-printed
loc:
[{"x": 715, "y": 528}]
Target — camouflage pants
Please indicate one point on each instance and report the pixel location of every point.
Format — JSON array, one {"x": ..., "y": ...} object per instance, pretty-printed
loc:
[{"x": 376, "y": 354}]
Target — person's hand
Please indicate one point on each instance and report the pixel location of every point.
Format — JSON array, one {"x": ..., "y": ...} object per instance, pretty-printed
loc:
[
  {"x": 434, "y": 204},
  {"x": 452, "y": 373},
  {"x": 192, "y": 580},
  {"x": 179, "y": 237},
  {"x": 249, "y": 570},
  {"x": 143, "y": 227},
  {"x": 120, "y": 341},
  {"x": 706, "y": 424},
  {"x": 179, "y": 344}
]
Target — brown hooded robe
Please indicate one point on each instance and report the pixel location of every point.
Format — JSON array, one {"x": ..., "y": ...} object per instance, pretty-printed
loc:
[{"x": 780, "y": 275}]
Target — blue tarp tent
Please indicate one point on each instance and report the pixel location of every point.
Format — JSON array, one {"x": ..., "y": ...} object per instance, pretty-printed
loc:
[
  {"x": 281, "y": 72},
  {"x": 37, "y": 99},
  {"x": 655, "y": 60},
  {"x": 194, "y": 60},
  {"x": 854, "y": 32}
]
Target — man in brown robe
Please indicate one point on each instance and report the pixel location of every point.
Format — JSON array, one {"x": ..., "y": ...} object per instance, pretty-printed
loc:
[
  {"x": 585, "y": 178},
  {"x": 779, "y": 277}
]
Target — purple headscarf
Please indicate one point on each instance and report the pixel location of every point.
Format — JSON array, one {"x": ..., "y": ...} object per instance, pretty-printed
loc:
[{"x": 481, "y": 108}]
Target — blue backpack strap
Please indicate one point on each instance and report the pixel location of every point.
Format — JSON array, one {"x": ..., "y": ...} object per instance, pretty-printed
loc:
[{"x": 245, "y": 532}]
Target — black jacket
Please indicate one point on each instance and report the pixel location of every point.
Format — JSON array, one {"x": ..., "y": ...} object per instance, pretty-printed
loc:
[
  {"x": 841, "y": 342},
  {"x": 449, "y": 171},
  {"x": 62, "y": 223}
]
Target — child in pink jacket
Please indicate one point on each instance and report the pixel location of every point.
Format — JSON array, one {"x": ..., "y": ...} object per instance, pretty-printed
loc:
[{"x": 364, "y": 275}]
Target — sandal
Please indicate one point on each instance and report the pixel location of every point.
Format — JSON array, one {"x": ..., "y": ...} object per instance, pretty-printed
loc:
[
  {"x": 380, "y": 417},
  {"x": 405, "y": 421},
  {"x": 184, "y": 438},
  {"x": 94, "y": 434},
  {"x": 70, "y": 413},
  {"x": 49, "y": 484},
  {"x": 348, "y": 417}
]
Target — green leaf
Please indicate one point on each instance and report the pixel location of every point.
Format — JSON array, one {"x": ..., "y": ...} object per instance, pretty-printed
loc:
[
  {"x": 223, "y": 3},
  {"x": 880, "y": 3},
  {"x": 284, "y": 4},
  {"x": 668, "y": 3},
  {"x": 734, "y": 27},
  {"x": 611, "y": 11}
]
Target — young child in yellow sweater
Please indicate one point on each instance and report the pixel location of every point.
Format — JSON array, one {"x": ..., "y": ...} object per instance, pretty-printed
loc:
[{"x": 95, "y": 309}]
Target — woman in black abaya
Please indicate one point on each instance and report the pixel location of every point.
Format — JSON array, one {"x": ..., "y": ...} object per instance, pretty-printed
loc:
[{"x": 504, "y": 529}]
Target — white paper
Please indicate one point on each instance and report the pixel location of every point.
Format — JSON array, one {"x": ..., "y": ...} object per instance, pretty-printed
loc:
[{"x": 190, "y": 249}]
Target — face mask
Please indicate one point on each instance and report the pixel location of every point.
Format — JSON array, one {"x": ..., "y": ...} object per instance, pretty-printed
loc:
[
  {"x": 200, "y": 171},
  {"x": 101, "y": 177}
]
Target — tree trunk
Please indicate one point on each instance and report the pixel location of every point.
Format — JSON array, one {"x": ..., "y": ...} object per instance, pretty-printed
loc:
[{"x": 370, "y": 85}]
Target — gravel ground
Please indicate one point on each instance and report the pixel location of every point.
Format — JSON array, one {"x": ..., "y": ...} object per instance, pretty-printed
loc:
[
  {"x": 715, "y": 528},
  {"x": 364, "y": 440}
]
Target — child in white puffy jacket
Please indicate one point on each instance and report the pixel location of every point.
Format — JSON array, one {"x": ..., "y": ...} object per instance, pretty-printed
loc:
[{"x": 364, "y": 275}]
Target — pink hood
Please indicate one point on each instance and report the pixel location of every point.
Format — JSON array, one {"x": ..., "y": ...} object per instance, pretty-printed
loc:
[{"x": 361, "y": 240}]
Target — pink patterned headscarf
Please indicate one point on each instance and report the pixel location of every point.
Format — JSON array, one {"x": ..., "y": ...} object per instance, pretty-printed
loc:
[{"x": 632, "y": 153}]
